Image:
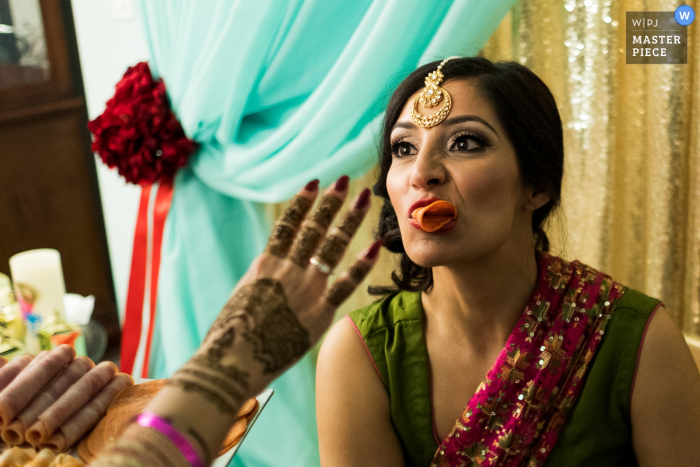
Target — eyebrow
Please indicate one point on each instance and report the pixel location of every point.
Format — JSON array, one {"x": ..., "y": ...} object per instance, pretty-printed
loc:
[{"x": 449, "y": 122}]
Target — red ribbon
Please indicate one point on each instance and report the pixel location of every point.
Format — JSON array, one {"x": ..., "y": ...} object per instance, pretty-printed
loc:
[
  {"x": 131, "y": 331},
  {"x": 136, "y": 294},
  {"x": 164, "y": 198}
]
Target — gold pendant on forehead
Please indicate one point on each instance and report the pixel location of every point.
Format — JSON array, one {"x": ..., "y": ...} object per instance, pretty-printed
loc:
[{"x": 431, "y": 96}]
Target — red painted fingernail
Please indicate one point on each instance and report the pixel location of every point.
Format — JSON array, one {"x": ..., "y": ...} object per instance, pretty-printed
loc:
[
  {"x": 312, "y": 185},
  {"x": 374, "y": 249},
  {"x": 362, "y": 200},
  {"x": 342, "y": 183}
]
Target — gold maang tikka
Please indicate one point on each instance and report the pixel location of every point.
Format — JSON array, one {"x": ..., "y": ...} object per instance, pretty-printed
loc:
[{"x": 430, "y": 97}]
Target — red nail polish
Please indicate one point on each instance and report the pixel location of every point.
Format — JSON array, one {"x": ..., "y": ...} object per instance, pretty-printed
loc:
[
  {"x": 374, "y": 249},
  {"x": 362, "y": 200},
  {"x": 312, "y": 185},
  {"x": 342, "y": 183}
]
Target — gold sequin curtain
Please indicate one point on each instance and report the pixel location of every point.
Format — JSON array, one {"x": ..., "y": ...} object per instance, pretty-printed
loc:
[{"x": 631, "y": 200}]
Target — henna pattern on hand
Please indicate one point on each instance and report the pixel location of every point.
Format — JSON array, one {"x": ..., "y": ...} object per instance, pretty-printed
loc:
[
  {"x": 225, "y": 386},
  {"x": 359, "y": 271},
  {"x": 269, "y": 325},
  {"x": 305, "y": 246},
  {"x": 332, "y": 250},
  {"x": 281, "y": 240},
  {"x": 228, "y": 389},
  {"x": 228, "y": 314},
  {"x": 223, "y": 405},
  {"x": 282, "y": 236},
  {"x": 277, "y": 337},
  {"x": 326, "y": 210},
  {"x": 296, "y": 212},
  {"x": 215, "y": 353},
  {"x": 232, "y": 372},
  {"x": 339, "y": 291},
  {"x": 351, "y": 222}
]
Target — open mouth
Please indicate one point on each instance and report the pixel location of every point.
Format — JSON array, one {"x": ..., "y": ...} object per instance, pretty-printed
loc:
[{"x": 435, "y": 216}]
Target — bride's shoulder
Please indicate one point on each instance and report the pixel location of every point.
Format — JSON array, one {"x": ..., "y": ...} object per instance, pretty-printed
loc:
[
  {"x": 343, "y": 359},
  {"x": 352, "y": 339}
]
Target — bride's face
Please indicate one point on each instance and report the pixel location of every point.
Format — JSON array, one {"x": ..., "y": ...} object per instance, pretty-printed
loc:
[{"x": 469, "y": 161}]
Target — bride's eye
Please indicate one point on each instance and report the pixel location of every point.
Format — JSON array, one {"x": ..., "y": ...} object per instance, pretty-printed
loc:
[
  {"x": 468, "y": 142},
  {"x": 402, "y": 149}
]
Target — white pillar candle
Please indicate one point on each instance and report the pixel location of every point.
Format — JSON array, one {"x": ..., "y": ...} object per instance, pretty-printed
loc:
[{"x": 37, "y": 276}]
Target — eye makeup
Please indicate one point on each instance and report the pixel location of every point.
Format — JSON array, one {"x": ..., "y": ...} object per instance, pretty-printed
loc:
[
  {"x": 461, "y": 141},
  {"x": 401, "y": 148}
]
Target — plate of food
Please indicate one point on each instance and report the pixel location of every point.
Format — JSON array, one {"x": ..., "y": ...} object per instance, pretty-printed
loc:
[
  {"x": 66, "y": 409},
  {"x": 122, "y": 410}
]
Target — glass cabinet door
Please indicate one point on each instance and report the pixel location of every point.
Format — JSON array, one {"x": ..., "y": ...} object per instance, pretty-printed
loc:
[{"x": 23, "y": 56}]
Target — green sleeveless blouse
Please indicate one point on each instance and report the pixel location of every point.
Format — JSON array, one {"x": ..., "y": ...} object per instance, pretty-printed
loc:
[{"x": 598, "y": 431}]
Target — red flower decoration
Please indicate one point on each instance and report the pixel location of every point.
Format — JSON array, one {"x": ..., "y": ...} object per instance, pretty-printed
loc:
[{"x": 138, "y": 133}]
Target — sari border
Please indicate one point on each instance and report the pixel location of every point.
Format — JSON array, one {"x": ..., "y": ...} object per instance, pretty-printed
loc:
[{"x": 364, "y": 344}]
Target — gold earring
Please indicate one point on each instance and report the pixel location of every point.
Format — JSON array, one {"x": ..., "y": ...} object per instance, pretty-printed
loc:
[{"x": 430, "y": 97}]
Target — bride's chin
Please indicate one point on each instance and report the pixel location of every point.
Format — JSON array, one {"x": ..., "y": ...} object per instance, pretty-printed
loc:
[{"x": 427, "y": 259}]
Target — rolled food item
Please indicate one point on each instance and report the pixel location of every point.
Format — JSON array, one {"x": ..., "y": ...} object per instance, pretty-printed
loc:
[
  {"x": 70, "y": 402},
  {"x": 88, "y": 416},
  {"x": 66, "y": 460},
  {"x": 14, "y": 433},
  {"x": 10, "y": 371},
  {"x": 29, "y": 382},
  {"x": 434, "y": 216},
  {"x": 14, "y": 456},
  {"x": 43, "y": 459}
]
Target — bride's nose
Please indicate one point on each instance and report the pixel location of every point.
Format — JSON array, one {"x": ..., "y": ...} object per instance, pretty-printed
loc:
[{"x": 428, "y": 170}]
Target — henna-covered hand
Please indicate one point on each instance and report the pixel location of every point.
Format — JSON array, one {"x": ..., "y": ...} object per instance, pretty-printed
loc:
[
  {"x": 282, "y": 306},
  {"x": 283, "y": 234},
  {"x": 279, "y": 309},
  {"x": 267, "y": 323},
  {"x": 333, "y": 248}
]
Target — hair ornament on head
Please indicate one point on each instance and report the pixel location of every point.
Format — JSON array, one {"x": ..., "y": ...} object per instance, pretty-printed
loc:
[{"x": 431, "y": 96}]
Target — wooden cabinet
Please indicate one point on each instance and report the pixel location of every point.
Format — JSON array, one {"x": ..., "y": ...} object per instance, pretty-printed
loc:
[{"x": 49, "y": 196}]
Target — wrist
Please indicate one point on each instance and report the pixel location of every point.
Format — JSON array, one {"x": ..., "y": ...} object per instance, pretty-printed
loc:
[
  {"x": 186, "y": 409},
  {"x": 190, "y": 444},
  {"x": 233, "y": 362}
]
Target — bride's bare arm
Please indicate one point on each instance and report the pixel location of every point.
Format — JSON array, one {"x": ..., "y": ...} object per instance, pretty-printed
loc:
[
  {"x": 352, "y": 405},
  {"x": 665, "y": 406}
]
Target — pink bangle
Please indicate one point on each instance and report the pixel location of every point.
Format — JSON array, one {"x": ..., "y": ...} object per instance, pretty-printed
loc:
[{"x": 164, "y": 425}]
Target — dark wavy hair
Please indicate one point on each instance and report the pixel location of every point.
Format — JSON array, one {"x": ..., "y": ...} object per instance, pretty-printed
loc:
[{"x": 529, "y": 115}]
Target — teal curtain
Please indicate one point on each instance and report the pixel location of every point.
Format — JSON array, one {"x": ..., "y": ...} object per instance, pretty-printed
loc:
[{"x": 276, "y": 93}]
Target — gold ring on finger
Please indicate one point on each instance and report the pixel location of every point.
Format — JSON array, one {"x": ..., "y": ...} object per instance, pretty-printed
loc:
[{"x": 320, "y": 265}]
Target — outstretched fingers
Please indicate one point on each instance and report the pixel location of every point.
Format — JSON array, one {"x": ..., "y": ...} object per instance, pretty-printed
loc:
[
  {"x": 346, "y": 283},
  {"x": 313, "y": 229},
  {"x": 333, "y": 247},
  {"x": 285, "y": 230}
]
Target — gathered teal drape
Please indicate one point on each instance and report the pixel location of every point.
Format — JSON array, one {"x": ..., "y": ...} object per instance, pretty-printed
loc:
[{"x": 276, "y": 93}]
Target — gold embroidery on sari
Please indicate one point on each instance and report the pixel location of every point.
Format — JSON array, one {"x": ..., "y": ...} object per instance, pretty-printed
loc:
[{"x": 516, "y": 414}]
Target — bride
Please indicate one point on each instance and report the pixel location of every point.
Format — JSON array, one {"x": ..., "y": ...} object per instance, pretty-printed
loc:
[{"x": 489, "y": 350}]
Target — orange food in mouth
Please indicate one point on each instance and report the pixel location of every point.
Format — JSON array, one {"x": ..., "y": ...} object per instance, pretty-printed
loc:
[{"x": 435, "y": 215}]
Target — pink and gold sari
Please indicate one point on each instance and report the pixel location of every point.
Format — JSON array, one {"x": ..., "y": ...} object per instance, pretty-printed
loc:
[{"x": 517, "y": 413}]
